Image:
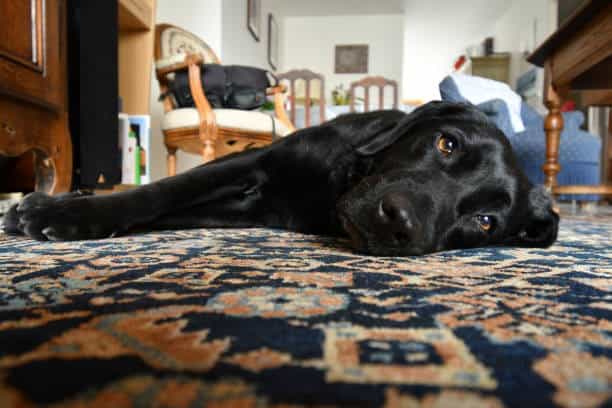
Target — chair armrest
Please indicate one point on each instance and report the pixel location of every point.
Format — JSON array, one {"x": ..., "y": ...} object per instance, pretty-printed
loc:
[
  {"x": 279, "y": 106},
  {"x": 175, "y": 63},
  {"x": 208, "y": 124},
  {"x": 274, "y": 89}
]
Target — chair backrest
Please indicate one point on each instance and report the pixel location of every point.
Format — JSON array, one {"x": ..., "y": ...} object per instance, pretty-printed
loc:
[
  {"x": 371, "y": 82},
  {"x": 171, "y": 45},
  {"x": 308, "y": 77},
  {"x": 171, "y": 41}
]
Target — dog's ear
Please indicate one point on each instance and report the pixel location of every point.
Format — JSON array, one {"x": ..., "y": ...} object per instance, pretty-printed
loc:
[
  {"x": 380, "y": 136},
  {"x": 542, "y": 223}
]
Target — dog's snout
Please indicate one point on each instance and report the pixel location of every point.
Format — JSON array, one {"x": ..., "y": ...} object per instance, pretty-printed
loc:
[{"x": 395, "y": 215}]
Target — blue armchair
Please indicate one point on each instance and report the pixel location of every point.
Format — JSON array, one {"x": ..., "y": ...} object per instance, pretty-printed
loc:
[{"x": 579, "y": 151}]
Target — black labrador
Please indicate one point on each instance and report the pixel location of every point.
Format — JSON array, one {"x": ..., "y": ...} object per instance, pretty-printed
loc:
[{"x": 441, "y": 177}]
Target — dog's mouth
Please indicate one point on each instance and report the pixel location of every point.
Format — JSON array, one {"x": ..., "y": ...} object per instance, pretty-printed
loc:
[{"x": 358, "y": 242}]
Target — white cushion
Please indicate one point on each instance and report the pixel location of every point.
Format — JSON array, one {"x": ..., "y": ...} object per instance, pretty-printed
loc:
[
  {"x": 253, "y": 121},
  {"x": 477, "y": 90}
]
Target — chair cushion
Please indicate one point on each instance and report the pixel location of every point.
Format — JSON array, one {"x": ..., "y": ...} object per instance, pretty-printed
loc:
[
  {"x": 572, "y": 120},
  {"x": 253, "y": 121}
]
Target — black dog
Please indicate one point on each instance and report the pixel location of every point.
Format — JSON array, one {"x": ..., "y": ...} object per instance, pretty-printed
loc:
[{"x": 442, "y": 177}]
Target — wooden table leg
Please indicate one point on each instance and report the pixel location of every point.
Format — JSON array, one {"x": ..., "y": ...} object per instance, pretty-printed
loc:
[{"x": 553, "y": 126}]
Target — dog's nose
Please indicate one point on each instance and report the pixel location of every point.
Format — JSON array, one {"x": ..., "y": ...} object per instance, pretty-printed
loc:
[{"x": 395, "y": 215}]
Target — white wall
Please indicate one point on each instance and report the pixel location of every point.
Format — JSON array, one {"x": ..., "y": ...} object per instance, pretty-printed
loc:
[
  {"x": 429, "y": 54},
  {"x": 309, "y": 42},
  {"x": 525, "y": 25},
  {"x": 436, "y": 33},
  {"x": 238, "y": 45}
]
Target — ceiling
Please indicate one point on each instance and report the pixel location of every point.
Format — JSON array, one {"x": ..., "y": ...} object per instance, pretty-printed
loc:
[
  {"x": 464, "y": 12},
  {"x": 295, "y": 8},
  {"x": 445, "y": 11}
]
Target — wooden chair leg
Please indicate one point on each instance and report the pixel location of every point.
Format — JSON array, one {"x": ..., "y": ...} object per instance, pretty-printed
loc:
[
  {"x": 553, "y": 126},
  {"x": 171, "y": 160},
  {"x": 208, "y": 151},
  {"x": 208, "y": 137}
]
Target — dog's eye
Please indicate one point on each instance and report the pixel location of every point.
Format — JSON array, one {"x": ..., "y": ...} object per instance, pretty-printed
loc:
[
  {"x": 446, "y": 144},
  {"x": 485, "y": 222}
]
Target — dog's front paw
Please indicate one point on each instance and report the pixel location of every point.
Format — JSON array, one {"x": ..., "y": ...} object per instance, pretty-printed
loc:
[
  {"x": 10, "y": 222},
  {"x": 56, "y": 218}
]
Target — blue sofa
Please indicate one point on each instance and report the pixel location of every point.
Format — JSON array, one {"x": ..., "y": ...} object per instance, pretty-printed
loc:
[{"x": 579, "y": 152}]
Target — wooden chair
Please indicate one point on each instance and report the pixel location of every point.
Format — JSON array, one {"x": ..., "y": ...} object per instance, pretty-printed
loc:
[
  {"x": 307, "y": 76},
  {"x": 371, "y": 82},
  {"x": 202, "y": 130}
]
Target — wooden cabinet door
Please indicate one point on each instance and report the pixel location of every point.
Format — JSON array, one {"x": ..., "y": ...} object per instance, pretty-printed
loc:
[
  {"x": 33, "y": 89},
  {"x": 31, "y": 51}
]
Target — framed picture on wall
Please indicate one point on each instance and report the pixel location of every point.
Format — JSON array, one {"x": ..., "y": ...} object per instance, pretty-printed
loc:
[
  {"x": 351, "y": 59},
  {"x": 272, "y": 42},
  {"x": 253, "y": 17}
]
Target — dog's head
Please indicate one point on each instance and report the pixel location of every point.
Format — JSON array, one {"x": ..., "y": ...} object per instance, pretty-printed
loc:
[{"x": 444, "y": 177}]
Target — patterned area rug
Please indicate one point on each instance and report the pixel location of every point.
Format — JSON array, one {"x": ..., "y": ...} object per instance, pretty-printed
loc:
[{"x": 258, "y": 318}]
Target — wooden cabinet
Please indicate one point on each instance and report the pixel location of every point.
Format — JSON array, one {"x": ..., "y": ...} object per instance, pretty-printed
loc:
[
  {"x": 33, "y": 108},
  {"x": 496, "y": 66},
  {"x": 136, "y": 37}
]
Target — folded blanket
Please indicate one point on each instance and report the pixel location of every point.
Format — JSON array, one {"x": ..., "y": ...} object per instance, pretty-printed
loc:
[{"x": 477, "y": 90}]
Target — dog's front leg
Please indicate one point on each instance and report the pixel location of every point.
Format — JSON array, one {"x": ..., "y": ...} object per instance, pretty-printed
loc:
[{"x": 75, "y": 216}]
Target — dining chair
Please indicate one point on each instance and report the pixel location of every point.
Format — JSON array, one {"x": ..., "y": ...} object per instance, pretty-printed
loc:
[
  {"x": 373, "y": 82},
  {"x": 308, "y": 77},
  {"x": 202, "y": 130}
]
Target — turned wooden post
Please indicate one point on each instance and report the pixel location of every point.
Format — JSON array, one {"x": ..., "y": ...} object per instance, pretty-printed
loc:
[
  {"x": 208, "y": 152},
  {"x": 171, "y": 160},
  {"x": 208, "y": 131},
  {"x": 553, "y": 126},
  {"x": 292, "y": 100}
]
